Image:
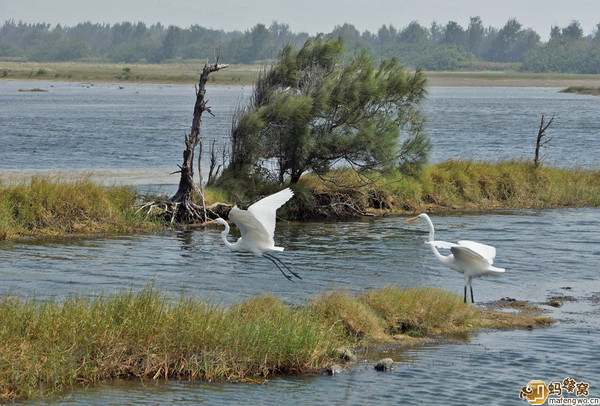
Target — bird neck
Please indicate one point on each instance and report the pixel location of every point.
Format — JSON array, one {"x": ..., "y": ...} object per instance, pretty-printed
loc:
[
  {"x": 431, "y": 238},
  {"x": 437, "y": 254},
  {"x": 224, "y": 237},
  {"x": 431, "y": 229}
]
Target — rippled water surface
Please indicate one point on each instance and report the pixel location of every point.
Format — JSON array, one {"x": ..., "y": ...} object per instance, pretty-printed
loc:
[
  {"x": 139, "y": 130},
  {"x": 546, "y": 253},
  {"x": 141, "y": 127}
]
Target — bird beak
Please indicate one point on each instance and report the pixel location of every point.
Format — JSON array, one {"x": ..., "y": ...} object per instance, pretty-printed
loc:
[
  {"x": 411, "y": 219},
  {"x": 208, "y": 222}
]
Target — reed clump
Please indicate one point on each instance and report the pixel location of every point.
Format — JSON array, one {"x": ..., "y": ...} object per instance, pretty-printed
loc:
[
  {"x": 45, "y": 206},
  {"x": 447, "y": 186},
  {"x": 51, "y": 346}
]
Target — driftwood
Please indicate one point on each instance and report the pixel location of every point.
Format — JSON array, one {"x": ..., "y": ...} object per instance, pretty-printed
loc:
[{"x": 541, "y": 142}]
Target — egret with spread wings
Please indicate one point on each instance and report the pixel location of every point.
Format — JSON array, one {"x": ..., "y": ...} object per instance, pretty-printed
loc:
[
  {"x": 470, "y": 258},
  {"x": 257, "y": 226}
]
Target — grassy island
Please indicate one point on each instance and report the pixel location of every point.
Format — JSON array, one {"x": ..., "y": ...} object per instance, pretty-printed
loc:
[
  {"x": 444, "y": 187},
  {"x": 48, "y": 207},
  {"x": 49, "y": 347},
  {"x": 590, "y": 91}
]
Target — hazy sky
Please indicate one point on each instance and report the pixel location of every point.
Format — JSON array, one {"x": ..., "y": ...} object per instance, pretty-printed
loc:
[{"x": 311, "y": 16}]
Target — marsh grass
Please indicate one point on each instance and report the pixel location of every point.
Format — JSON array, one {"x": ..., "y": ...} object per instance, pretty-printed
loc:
[
  {"x": 46, "y": 206},
  {"x": 449, "y": 186},
  {"x": 50, "y": 346}
]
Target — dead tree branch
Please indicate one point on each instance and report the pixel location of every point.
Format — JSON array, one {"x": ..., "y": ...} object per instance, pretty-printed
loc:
[{"x": 541, "y": 142}]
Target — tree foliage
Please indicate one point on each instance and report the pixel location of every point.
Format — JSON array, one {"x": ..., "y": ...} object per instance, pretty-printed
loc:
[
  {"x": 313, "y": 110},
  {"x": 437, "y": 47}
]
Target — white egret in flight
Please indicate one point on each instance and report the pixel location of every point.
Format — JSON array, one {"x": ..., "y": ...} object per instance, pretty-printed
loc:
[
  {"x": 470, "y": 258},
  {"x": 257, "y": 226}
]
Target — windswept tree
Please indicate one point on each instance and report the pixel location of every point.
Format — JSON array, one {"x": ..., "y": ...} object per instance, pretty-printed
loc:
[{"x": 314, "y": 109}]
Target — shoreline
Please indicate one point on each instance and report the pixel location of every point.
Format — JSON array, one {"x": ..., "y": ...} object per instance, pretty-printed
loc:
[{"x": 188, "y": 73}]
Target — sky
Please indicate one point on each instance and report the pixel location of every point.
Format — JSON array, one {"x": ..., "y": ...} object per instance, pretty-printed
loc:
[{"x": 311, "y": 16}]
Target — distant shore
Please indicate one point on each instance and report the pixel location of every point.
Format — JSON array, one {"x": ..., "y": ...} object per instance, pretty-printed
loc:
[{"x": 188, "y": 73}]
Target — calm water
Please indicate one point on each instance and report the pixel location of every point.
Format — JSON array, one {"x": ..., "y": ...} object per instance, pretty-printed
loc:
[{"x": 140, "y": 128}]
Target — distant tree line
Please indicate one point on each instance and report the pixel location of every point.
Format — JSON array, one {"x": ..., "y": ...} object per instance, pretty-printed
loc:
[{"x": 437, "y": 47}]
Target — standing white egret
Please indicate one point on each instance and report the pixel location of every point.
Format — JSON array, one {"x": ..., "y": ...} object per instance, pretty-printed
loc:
[
  {"x": 257, "y": 226},
  {"x": 470, "y": 258}
]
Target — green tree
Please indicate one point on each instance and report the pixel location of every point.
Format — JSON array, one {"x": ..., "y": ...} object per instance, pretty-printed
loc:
[
  {"x": 454, "y": 34},
  {"x": 512, "y": 42},
  {"x": 171, "y": 42},
  {"x": 436, "y": 32},
  {"x": 312, "y": 109},
  {"x": 7, "y": 49},
  {"x": 414, "y": 33},
  {"x": 596, "y": 33},
  {"x": 555, "y": 33},
  {"x": 475, "y": 36},
  {"x": 63, "y": 50},
  {"x": 573, "y": 31}
]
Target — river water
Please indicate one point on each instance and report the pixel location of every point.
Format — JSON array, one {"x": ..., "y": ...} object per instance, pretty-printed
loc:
[{"x": 545, "y": 253}]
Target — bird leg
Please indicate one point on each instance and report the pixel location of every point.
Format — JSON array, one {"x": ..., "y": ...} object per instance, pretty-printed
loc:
[
  {"x": 465, "y": 295},
  {"x": 278, "y": 267},
  {"x": 470, "y": 283},
  {"x": 283, "y": 263}
]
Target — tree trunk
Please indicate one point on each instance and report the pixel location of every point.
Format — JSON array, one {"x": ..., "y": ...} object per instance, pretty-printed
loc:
[
  {"x": 295, "y": 177},
  {"x": 185, "y": 210},
  {"x": 537, "y": 160}
]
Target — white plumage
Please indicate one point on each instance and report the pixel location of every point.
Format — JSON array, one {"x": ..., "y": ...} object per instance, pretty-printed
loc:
[
  {"x": 257, "y": 227},
  {"x": 470, "y": 258}
]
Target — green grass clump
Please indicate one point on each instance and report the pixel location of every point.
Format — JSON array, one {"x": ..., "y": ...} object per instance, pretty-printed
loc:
[
  {"x": 420, "y": 312},
  {"x": 51, "y": 207},
  {"x": 50, "y": 346}
]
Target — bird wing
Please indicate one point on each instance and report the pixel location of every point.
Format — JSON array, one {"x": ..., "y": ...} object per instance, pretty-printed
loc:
[
  {"x": 467, "y": 256},
  {"x": 251, "y": 229},
  {"x": 441, "y": 244},
  {"x": 264, "y": 210},
  {"x": 486, "y": 251}
]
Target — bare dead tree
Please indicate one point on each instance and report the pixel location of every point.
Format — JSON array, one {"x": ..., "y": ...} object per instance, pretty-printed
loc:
[
  {"x": 181, "y": 207},
  {"x": 541, "y": 142},
  {"x": 187, "y": 210}
]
